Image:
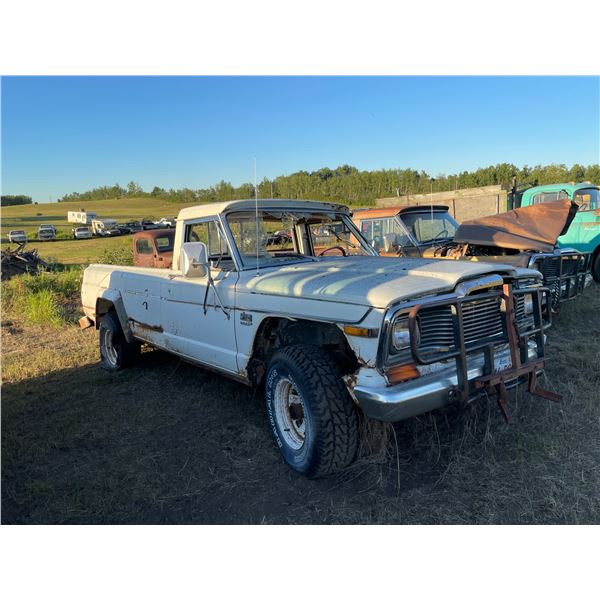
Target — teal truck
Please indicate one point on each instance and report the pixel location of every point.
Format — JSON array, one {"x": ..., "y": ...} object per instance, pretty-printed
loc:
[{"x": 584, "y": 232}]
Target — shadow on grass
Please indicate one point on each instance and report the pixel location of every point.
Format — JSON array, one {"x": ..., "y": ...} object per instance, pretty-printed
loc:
[{"x": 166, "y": 442}]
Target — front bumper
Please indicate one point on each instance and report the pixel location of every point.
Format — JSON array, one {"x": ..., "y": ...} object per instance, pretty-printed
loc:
[{"x": 426, "y": 393}]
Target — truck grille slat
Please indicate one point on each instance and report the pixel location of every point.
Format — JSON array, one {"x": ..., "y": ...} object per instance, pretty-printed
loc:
[{"x": 481, "y": 319}]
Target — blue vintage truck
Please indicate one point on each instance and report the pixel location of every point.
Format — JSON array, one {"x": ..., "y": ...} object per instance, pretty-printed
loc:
[{"x": 584, "y": 232}]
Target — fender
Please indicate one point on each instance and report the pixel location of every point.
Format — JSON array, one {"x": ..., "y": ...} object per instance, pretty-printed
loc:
[{"x": 112, "y": 298}]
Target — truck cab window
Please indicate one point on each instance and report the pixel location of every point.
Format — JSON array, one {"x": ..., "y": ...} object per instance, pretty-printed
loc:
[
  {"x": 143, "y": 246},
  {"x": 550, "y": 197},
  {"x": 216, "y": 244}
]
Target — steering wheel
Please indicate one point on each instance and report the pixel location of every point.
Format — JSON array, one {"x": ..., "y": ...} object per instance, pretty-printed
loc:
[
  {"x": 343, "y": 250},
  {"x": 439, "y": 234}
]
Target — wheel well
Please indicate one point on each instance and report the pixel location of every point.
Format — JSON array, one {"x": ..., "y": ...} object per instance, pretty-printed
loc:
[
  {"x": 103, "y": 306},
  {"x": 275, "y": 332}
]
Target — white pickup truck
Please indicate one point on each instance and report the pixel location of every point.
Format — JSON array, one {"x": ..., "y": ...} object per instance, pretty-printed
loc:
[{"x": 328, "y": 327}]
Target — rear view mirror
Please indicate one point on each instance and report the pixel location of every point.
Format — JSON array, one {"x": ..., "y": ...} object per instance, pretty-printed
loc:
[
  {"x": 194, "y": 259},
  {"x": 390, "y": 241}
]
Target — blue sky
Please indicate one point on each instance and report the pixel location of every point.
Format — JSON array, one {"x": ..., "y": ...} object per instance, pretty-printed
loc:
[{"x": 65, "y": 134}]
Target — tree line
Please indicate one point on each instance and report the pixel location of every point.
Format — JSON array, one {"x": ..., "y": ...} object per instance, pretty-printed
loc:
[
  {"x": 14, "y": 200},
  {"x": 349, "y": 185}
]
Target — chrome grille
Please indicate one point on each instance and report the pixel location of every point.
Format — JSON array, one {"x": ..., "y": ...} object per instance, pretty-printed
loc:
[
  {"x": 524, "y": 322},
  {"x": 569, "y": 265},
  {"x": 550, "y": 266},
  {"x": 481, "y": 319}
]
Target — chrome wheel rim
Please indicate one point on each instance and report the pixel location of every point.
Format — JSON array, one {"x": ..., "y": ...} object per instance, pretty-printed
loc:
[
  {"x": 110, "y": 351},
  {"x": 289, "y": 413}
]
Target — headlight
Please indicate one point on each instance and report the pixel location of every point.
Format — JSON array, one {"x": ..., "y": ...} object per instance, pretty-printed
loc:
[
  {"x": 528, "y": 304},
  {"x": 400, "y": 334}
]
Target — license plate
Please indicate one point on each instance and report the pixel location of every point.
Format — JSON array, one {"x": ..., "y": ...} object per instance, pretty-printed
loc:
[{"x": 503, "y": 363}]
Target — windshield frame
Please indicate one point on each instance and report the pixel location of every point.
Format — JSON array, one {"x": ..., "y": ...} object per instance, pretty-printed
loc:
[{"x": 251, "y": 265}]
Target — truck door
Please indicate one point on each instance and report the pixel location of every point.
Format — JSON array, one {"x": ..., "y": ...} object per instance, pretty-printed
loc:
[
  {"x": 197, "y": 317},
  {"x": 584, "y": 232}
]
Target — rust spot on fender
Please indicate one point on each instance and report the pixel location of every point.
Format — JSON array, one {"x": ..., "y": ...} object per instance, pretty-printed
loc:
[{"x": 155, "y": 328}]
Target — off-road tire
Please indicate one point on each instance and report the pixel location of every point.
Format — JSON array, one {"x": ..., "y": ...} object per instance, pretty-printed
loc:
[
  {"x": 331, "y": 419},
  {"x": 125, "y": 353},
  {"x": 596, "y": 268}
]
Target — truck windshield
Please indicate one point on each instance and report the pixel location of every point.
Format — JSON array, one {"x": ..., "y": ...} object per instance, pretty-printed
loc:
[
  {"x": 277, "y": 237},
  {"x": 427, "y": 227}
]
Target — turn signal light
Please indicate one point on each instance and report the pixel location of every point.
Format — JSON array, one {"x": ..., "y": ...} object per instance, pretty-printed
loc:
[
  {"x": 360, "y": 331},
  {"x": 402, "y": 373}
]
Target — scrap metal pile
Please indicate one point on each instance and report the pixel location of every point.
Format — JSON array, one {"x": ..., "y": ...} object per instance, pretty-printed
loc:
[{"x": 19, "y": 261}]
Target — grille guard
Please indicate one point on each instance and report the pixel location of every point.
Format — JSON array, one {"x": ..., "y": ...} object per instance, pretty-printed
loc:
[{"x": 491, "y": 380}]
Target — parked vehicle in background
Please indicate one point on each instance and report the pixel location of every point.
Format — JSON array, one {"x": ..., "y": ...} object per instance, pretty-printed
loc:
[
  {"x": 166, "y": 223},
  {"x": 326, "y": 326},
  {"x": 46, "y": 233},
  {"x": 81, "y": 233},
  {"x": 85, "y": 217},
  {"x": 105, "y": 227},
  {"x": 522, "y": 237},
  {"x": 131, "y": 226},
  {"x": 584, "y": 232},
  {"x": 17, "y": 236},
  {"x": 154, "y": 248},
  {"x": 147, "y": 224}
]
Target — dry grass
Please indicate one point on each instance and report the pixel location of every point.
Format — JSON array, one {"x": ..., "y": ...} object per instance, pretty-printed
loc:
[{"x": 169, "y": 443}]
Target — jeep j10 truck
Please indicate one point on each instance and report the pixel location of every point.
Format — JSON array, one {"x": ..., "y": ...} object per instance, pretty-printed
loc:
[
  {"x": 584, "y": 232},
  {"x": 323, "y": 323}
]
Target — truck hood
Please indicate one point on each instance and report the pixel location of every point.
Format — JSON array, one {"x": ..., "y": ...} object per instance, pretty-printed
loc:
[
  {"x": 368, "y": 281},
  {"x": 534, "y": 227}
]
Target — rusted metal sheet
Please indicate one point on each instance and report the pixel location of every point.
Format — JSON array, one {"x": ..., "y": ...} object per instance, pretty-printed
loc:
[{"x": 534, "y": 227}]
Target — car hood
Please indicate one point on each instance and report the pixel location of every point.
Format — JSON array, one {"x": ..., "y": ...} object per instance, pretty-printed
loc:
[
  {"x": 364, "y": 280},
  {"x": 534, "y": 227}
]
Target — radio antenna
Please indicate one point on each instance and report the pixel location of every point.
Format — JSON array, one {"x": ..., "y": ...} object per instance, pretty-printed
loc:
[{"x": 256, "y": 216}]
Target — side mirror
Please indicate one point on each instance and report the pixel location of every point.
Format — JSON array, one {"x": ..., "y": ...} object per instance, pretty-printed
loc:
[
  {"x": 194, "y": 259},
  {"x": 390, "y": 241}
]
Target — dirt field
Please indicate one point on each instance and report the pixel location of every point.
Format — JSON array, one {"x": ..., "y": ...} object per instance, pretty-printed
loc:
[{"x": 166, "y": 442}]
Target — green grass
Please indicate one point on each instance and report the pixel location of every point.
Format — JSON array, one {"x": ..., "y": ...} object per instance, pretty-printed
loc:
[
  {"x": 48, "y": 298},
  {"x": 166, "y": 442},
  {"x": 42, "y": 308}
]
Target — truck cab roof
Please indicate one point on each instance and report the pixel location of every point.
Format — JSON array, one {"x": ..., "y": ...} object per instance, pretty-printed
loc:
[{"x": 215, "y": 208}]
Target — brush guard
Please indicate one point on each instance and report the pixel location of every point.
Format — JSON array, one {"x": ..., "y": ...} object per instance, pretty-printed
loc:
[{"x": 492, "y": 381}]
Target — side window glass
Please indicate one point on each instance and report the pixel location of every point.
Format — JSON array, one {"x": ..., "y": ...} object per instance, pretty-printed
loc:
[
  {"x": 376, "y": 237},
  {"x": 164, "y": 244},
  {"x": 143, "y": 246},
  {"x": 402, "y": 238},
  {"x": 588, "y": 199},
  {"x": 218, "y": 250}
]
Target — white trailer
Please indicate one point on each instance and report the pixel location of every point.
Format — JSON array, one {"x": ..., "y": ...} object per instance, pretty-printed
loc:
[
  {"x": 101, "y": 226},
  {"x": 84, "y": 217}
]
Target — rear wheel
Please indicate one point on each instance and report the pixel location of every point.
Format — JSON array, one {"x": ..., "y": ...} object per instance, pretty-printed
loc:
[
  {"x": 115, "y": 351},
  {"x": 312, "y": 417}
]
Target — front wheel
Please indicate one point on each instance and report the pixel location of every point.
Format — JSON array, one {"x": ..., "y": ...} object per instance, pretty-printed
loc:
[
  {"x": 596, "y": 268},
  {"x": 115, "y": 351},
  {"x": 311, "y": 415}
]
